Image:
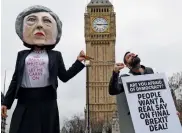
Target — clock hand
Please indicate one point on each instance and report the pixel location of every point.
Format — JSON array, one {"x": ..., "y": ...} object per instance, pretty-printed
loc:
[{"x": 101, "y": 24}]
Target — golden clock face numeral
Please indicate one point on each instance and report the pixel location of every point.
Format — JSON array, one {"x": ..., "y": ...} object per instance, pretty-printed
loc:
[{"x": 100, "y": 25}]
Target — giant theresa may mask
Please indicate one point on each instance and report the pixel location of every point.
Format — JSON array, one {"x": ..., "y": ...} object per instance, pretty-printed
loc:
[{"x": 38, "y": 26}]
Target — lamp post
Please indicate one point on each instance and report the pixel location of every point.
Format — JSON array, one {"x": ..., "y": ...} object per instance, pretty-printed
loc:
[
  {"x": 4, "y": 83},
  {"x": 87, "y": 64},
  {"x": 3, "y": 120}
]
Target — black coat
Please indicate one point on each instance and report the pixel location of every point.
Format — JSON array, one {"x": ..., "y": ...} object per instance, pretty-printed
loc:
[
  {"x": 2, "y": 98},
  {"x": 56, "y": 69},
  {"x": 116, "y": 85}
]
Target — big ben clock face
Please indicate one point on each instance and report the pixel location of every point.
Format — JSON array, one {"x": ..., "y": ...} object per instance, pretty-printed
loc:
[{"x": 100, "y": 25}]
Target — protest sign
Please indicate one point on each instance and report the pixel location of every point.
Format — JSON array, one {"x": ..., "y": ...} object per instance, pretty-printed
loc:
[
  {"x": 151, "y": 104},
  {"x": 125, "y": 121}
]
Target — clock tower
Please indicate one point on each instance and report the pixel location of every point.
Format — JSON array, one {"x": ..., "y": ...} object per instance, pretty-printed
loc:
[{"x": 100, "y": 36}]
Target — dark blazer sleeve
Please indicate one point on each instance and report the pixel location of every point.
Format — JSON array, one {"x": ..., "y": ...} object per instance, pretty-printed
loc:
[
  {"x": 152, "y": 71},
  {"x": 115, "y": 84},
  {"x": 149, "y": 70},
  {"x": 10, "y": 95},
  {"x": 2, "y": 98},
  {"x": 65, "y": 75}
]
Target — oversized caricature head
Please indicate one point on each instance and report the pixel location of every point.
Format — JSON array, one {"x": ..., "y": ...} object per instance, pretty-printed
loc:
[{"x": 38, "y": 26}]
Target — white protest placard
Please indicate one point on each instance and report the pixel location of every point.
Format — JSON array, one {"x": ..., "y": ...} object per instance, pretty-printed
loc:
[{"x": 151, "y": 104}]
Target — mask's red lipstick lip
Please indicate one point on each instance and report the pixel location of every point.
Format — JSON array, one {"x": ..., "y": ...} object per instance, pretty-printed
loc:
[{"x": 39, "y": 34}]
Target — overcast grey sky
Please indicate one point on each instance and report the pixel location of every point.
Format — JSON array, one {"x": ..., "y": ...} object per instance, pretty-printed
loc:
[{"x": 151, "y": 28}]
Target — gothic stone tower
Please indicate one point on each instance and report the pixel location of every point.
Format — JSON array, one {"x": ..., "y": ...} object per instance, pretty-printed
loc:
[{"x": 100, "y": 35}]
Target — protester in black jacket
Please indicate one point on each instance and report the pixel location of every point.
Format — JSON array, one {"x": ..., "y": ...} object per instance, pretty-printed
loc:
[{"x": 132, "y": 61}]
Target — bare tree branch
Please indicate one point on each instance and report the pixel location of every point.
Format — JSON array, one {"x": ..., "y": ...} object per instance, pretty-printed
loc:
[
  {"x": 77, "y": 125},
  {"x": 74, "y": 125},
  {"x": 175, "y": 82}
]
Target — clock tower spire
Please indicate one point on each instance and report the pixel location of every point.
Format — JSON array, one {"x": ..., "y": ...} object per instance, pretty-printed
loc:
[
  {"x": 100, "y": 36},
  {"x": 100, "y": 3}
]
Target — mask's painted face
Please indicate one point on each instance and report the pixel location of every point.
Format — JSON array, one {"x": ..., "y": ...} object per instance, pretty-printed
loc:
[{"x": 40, "y": 29}]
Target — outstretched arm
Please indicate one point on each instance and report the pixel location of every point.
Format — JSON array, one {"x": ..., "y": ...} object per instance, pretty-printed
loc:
[
  {"x": 10, "y": 95},
  {"x": 65, "y": 75}
]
